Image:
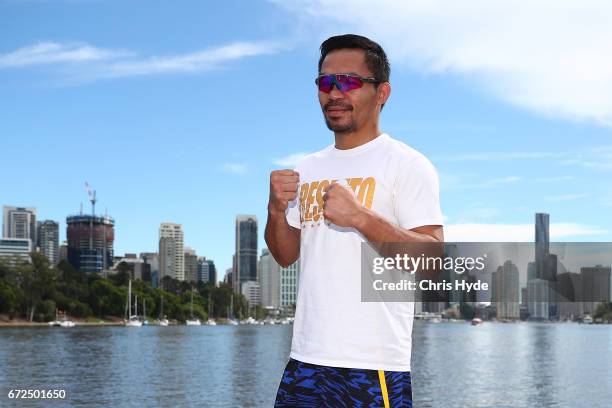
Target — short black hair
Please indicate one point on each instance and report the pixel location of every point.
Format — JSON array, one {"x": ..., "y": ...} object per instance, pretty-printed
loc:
[{"x": 375, "y": 56}]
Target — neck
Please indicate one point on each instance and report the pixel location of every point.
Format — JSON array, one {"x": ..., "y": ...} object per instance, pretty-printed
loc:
[{"x": 350, "y": 140}]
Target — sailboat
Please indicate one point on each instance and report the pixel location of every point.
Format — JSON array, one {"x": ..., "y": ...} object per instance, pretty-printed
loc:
[
  {"x": 144, "y": 313},
  {"x": 230, "y": 313},
  {"x": 161, "y": 320},
  {"x": 62, "y": 321},
  {"x": 192, "y": 321},
  {"x": 133, "y": 320},
  {"x": 210, "y": 321}
]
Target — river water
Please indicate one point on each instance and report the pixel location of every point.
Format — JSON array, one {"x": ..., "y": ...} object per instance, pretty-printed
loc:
[{"x": 454, "y": 365}]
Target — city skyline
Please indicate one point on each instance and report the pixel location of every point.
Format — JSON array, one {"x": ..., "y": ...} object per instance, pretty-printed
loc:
[{"x": 183, "y": 126}]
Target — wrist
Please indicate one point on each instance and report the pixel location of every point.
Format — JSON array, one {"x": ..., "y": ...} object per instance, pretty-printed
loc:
[
  {"x": 273, "y": 211},
  {"x": 362, "y": 219}
]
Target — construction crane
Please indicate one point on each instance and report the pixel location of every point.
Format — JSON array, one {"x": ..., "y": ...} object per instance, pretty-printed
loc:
[{"x": 92, "y": 197}]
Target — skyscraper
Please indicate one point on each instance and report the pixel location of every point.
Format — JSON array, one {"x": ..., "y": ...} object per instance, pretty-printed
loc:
[
  {"x": 90, "y": 242},
  {"x": 191, "y": 265},
  {"x": 505, "y": 287},
  {"x": 19, "y": 222},
  {"x": 15, "y": 250},
  {"x": 171, "y": 251},
  {"x": 595, "y": 286},
  {"x": 289, "y": 279},
  {"x": 246, "y": 251},
  {"x": 269, "y": 279},
  {"x": 542, "y": 244},
  {"x": 48, "y": 240},
  {"x": 212, "y": 272}
]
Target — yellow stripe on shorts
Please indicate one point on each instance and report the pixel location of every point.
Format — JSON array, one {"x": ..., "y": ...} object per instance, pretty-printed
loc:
[{"x": 383, "y": 387}]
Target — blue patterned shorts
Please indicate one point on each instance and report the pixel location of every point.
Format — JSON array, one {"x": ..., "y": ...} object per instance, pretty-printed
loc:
[{"x": 311, "y": 385}]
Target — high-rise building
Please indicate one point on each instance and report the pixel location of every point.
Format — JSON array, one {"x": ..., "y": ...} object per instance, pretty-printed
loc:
[
  {"x": 227, "y": 279},
  {"x": 14, "y": 250},
  {"x": 90, "y": 242},
  {"x": 203, "y": 275},
  {"x": 538, "y": 293},
  {"x": 544, "y": 263},
  {"x": 289, "y": 279},
  {"x": 191, "y": 265},
  {"x": 63, "y": 251},
  {"x": 19, "y": 222},
  {"x": 595, "y": 286},
  {"x": 246, "y": 251},
  {"x": 505, "y": 286},
  {"x": 171, "y": 251},
  {"x": 252, "y": 292},
  {"x": 269, "y": 279},
  {"x": 569, "y": 292},
  {"x": 48, "y": 240},
  {"x": 207, "y": 272},
  {"x": 212, "y": 272}
]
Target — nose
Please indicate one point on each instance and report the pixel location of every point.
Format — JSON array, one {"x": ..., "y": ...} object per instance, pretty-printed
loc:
[{"x": 335, "y": 92}]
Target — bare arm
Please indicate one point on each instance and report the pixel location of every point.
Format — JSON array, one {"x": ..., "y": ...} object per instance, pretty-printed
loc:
[
  {"x": 378, "y": 230},
  {"x": 282, "y": 239}
]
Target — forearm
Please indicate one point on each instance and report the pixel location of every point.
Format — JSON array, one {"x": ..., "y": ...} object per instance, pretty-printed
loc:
[
  {"x": 378, "y": 230},
  {"x": 282, "y": 239}
]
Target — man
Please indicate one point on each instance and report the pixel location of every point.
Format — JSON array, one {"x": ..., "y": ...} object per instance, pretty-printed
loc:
[{"x": 366, "y": 186}]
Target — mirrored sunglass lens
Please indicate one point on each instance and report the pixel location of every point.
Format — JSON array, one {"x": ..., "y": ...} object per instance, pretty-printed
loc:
[
  {"x": 349, "y": 82},
  {"x": 325, "y": 83}
]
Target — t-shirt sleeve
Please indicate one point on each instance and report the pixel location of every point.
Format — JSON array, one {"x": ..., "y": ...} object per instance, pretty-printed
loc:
[
  {"x": 417, "y": 195},
  {"x": 292, "y": 213}
]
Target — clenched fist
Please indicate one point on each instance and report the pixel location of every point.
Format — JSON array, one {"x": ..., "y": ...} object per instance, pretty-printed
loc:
[
  {"x": 283, "y": 188},
  {"x": 340, "y": 205}
]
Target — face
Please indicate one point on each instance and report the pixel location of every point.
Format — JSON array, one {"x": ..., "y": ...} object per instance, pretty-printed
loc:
[{"x": 355, "y": 109}]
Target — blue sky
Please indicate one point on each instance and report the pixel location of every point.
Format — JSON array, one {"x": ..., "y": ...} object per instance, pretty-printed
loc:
[{"x": 179, "y": 112}]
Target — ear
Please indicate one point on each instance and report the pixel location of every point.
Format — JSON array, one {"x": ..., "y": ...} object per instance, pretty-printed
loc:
[{"x": 383, "y": 91}]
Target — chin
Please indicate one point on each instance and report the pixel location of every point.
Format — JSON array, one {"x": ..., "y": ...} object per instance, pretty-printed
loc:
[{"x": 340, "y": 127}]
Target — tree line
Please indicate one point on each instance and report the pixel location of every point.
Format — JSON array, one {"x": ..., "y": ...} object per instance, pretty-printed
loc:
[{"x": 34, "y": 290}]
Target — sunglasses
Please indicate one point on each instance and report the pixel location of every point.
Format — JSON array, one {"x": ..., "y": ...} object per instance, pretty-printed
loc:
[{"x": 344, "y": 82}]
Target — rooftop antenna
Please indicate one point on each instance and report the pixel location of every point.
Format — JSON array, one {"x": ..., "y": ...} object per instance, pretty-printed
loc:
[{"x": 92, "y": 198}]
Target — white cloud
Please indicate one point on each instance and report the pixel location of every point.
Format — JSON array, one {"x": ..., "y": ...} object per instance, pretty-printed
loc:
[
  {"x": 53, "y": 53},
  {"x": 476, "y": 232},
  {"x": 96, "y": 63},
  {"x": 289, "y": 161},
  {"x": 191, "y": 62},
  {"x": 236, "y": 168},
  {"x": 549, "y": 56}
]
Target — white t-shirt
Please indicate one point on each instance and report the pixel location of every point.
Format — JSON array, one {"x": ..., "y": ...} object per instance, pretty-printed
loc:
[{"x": 332, "y": 326}]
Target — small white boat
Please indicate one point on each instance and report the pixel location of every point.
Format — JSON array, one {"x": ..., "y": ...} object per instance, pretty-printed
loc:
[
  {"x": 193, "y": 321},
  {"x": 61, "y": 321},
  {"x": 230, "y": 314},
  {"x": 161, "y": 320},
  {"x": 210, "y": 322},
  {"x": 249, "y": 320},
  {"x": 587, "y": 319},
  {"x": 133, "y": 320},
  {"x": 476, "y": 321},
  {"x": 67, "y": 323}
]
